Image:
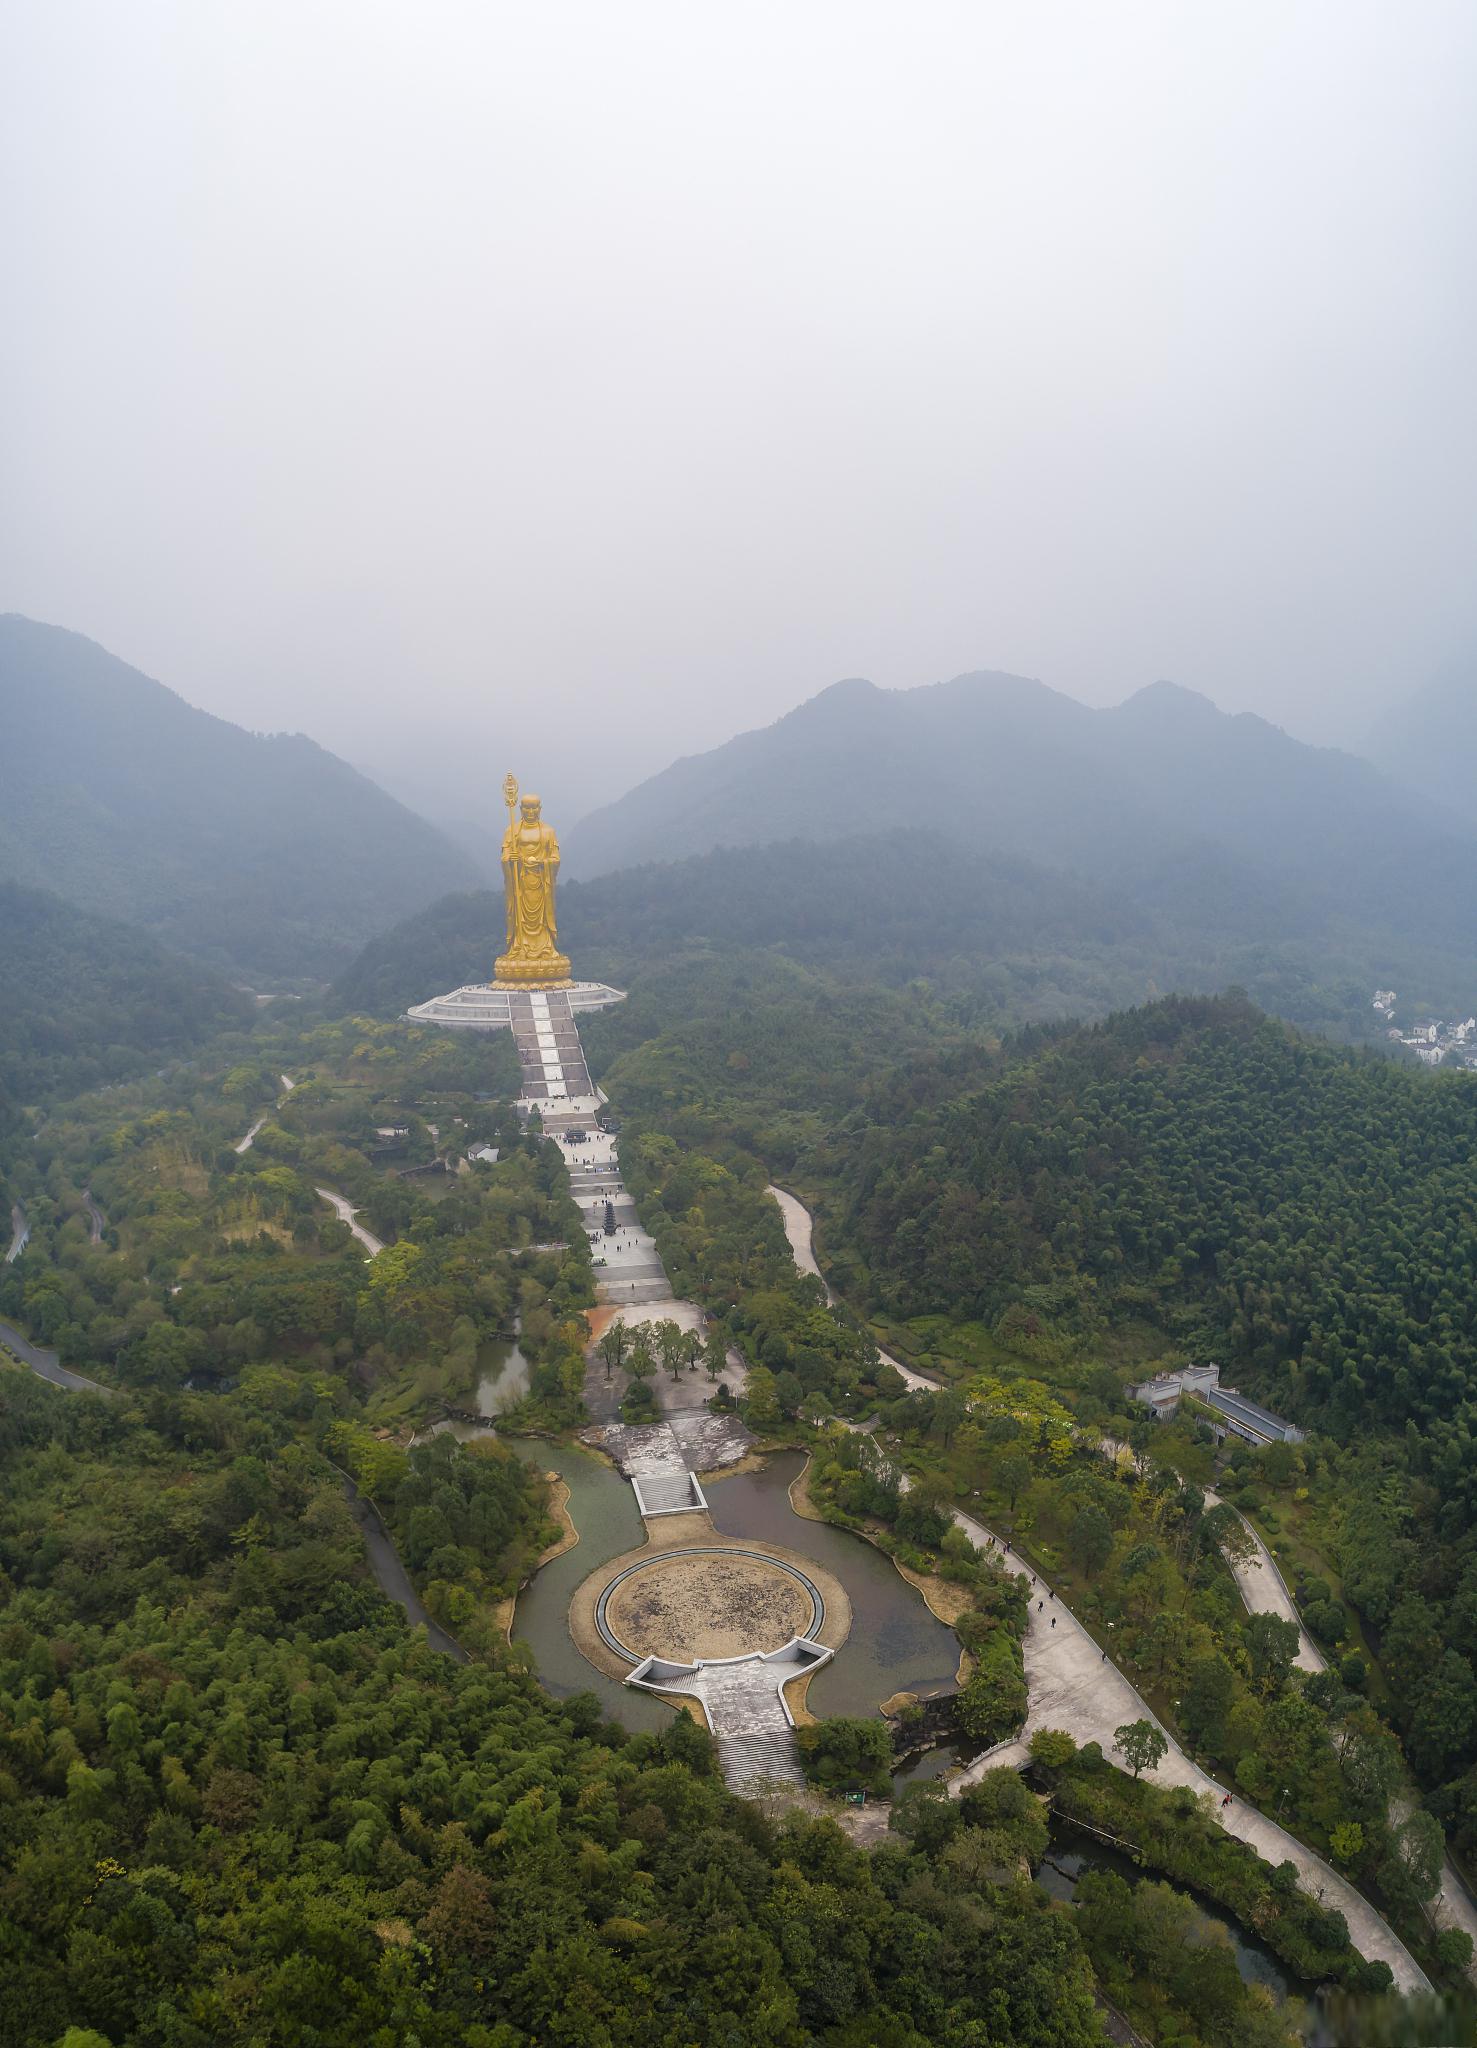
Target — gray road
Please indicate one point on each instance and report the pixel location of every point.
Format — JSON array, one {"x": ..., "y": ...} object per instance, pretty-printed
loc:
[
  {"x": 800, "y": 1230},
  {"x": 47, "y": 1365},
  {"x": 347, "y": 1213}
]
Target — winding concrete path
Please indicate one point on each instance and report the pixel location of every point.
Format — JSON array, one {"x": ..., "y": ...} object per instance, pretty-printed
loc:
[
  {"x": 20, "y": 1233},
  {"x": 97, "y": 1222},
  {"x": 245, "y": 1144},
  {"x": 800, "y": 1230},
  {"x": 1265, "y": 1591},
  {"x": 1073, "y": 1684},
  {"x": 345, "y": 1211}
]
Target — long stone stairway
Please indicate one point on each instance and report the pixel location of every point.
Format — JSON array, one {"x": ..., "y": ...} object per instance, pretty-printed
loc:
[{"x": 551, "y": 1059}]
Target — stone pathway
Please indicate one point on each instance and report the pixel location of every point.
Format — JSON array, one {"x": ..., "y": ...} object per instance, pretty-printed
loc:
[
  {"x": 1074, "y": 1685},
  {"x": 550, "y": 1056},
  {"x": 628, "y": 1269},
  {"x": 743, "y": 1700}
]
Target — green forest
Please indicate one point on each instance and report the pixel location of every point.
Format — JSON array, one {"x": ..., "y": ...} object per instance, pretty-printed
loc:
[
  {"x": 239, "y": 1803},
  {"x": 241, "y": 1800}
]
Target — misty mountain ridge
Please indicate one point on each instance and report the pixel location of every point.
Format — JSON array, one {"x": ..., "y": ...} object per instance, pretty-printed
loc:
[
  {"x": 265, "y": 856},
  {"x": 1141, "y": 797}
]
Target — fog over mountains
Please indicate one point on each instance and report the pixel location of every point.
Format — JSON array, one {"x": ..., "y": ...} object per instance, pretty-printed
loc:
[
  {"x": 1003, "y": 761},
  {"x": 989, "y": 833},
  {"x": 1430, "y": 741}
]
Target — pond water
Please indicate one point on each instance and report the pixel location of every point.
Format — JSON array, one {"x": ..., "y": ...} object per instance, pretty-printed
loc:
[
  {"x": 502, "y": 1380},
  {"x": 603, "y": 1508},
  {"x": 895, "y": 1644},
  {"x": 933, "y": 1763},
  {"x": 1072, "y": 1854}
]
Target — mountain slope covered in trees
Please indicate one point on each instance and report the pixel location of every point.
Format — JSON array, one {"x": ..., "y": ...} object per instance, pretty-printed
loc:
[
  {"x": 1300, "y": 1212},
  {"x": 263, "y": 856},
  {"x": 84, "y": 999},
  {"x": 1196, "y": 1181},
  {"x": 1005, "y": 941}
]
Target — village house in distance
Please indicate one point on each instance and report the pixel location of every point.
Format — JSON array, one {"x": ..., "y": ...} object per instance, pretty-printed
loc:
[{"x": 1434, "y": 1041}]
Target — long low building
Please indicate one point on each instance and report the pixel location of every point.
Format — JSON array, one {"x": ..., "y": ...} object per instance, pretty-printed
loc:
[{"x": 1238, "y": 1415}]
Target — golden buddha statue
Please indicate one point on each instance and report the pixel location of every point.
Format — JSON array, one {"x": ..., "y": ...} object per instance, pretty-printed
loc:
[{"x": 530, "y": 868}]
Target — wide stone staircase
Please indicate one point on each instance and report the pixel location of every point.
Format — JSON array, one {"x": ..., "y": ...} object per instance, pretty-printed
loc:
[
  {"x": 551, "y": 1059},
  {"x": 750, "y": 1762}
]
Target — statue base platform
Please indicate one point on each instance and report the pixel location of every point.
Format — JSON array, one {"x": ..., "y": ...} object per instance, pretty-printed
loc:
[
  {"x": 484, "y": 1006},
  {"x": 551, "y": 1059}
]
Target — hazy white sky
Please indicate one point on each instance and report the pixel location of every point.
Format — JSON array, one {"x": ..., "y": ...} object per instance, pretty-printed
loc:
[{"x": 569, "y": 386}]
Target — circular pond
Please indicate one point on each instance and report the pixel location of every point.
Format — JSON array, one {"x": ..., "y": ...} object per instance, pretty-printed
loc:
[{"x": 895, "y": 1643}]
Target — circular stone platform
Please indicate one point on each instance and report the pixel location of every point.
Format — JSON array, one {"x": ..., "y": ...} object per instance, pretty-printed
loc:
[
  {"x": 674, "y": 1534},
  {"x": 702, "y": 1602}
]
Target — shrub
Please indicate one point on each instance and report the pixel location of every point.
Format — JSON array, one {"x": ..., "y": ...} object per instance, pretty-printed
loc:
[
  {"x": 846, "y": 1754},
  {"x": 1454, "y": 1950},
  {"x": 1327, "y": 1620},
  {"x": 1053, "y": 1748},
  {"x": 993, "y": 1702}
]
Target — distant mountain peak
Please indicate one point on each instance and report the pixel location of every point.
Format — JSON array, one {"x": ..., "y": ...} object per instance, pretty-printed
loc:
[{"x": 1165, "y": 699}]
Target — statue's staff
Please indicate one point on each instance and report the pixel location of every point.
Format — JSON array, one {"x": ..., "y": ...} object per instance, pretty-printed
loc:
[{"x": 510, "y": 798}]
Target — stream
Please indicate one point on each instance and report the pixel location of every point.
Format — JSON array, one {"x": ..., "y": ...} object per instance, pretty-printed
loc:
[{"x": 1071, "y": 1855}]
